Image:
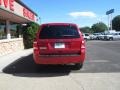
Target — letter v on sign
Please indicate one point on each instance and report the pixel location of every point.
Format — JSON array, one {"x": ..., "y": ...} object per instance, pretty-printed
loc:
[{"x": 5, "y": 3}]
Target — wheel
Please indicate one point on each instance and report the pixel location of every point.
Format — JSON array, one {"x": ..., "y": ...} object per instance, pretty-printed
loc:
[
  {"x": 111, "y": 38},
  {"x": 78, "y": 66},
  {"x": 97, "y": 38}
]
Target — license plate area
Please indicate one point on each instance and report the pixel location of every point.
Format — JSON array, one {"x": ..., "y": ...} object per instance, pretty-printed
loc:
[{"x": 59, "y": 45}]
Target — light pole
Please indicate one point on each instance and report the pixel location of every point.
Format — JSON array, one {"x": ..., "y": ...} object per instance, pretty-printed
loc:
[
  {"x": 109, "y": 13},
  {"x": 111, "y": 21},
  {"x": 108, "y": 22}
]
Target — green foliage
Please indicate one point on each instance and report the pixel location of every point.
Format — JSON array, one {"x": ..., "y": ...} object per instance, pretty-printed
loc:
[
  {"x": 99, "y": 27},
  {"x": 116, "y": 23},
  {"x": 29, "y": 32},
  {"x": 86, "y": 30}
]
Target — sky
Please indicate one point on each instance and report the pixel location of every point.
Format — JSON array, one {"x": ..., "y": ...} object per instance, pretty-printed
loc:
[{"x": 81, "y": 12}]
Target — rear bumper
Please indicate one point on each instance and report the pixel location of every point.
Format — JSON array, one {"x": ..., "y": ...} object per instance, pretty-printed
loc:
[{"x": 58, "y": 59}]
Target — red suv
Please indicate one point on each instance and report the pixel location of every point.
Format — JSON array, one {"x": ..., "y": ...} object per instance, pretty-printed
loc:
[{"x": 59, "y": 43}]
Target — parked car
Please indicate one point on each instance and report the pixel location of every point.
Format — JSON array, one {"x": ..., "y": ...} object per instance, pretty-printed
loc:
[
  {"x": 59, "y": 43},
  {"x": 112, "y": 36},
  {"x": 96, "y": 36},
  {"x": 86, "y": 36},
  {"x": 91, "y": 36},
  {"x": 109, "y": 36},
  {"x": 117, "y": 35},
  {"x": 101, "y": 36}
]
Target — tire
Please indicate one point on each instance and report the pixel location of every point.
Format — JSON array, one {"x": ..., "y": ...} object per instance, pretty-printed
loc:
[
  {"x": 111, "y": 38},
  {"x": 97, "y": 38},
  {"x": 78, "y": 66}
]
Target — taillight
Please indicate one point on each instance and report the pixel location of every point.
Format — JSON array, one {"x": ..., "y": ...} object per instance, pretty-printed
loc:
[
  {"x": 83, "y": 46},
  {"x": 35, "y": 46}
]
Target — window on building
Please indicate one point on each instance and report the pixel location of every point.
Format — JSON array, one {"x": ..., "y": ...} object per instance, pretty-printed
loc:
[
  {"x": 15, "y": 30},
  {"x": 3, "y": 31}
]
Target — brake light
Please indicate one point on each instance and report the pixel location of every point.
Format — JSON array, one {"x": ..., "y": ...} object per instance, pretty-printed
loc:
[
  {"x": 83, "y": 46},
  {"x": 35, "y": 46}
]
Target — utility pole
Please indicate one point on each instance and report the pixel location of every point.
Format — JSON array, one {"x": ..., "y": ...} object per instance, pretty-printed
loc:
[
  {"x": 111, "y": 21},
  {"x": 109, "y": 13},
  {"x": 108, "y": 22}
]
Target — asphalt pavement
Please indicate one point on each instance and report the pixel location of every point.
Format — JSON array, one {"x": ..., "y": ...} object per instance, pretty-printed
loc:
[{"x": 101, "y": 71}]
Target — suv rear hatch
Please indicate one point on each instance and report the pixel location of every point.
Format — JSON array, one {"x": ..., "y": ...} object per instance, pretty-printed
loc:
[{"x": 59, "y": 40}]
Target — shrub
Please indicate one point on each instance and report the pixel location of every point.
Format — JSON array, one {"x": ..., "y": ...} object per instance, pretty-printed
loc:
[{"x": 29, "y": 33}]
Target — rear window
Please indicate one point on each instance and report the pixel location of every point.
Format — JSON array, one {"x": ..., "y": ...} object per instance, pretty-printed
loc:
[
  {"x": 58, "y": 32},
  {"x": 86, "y": 34}
]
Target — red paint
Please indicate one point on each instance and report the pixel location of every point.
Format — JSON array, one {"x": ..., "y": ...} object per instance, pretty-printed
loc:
[
  {"x": 5, "y": 3},
  {"x": 0, "y": 2},
  {"x": 28, "y": 14},
  {"x": 8, "y": 4},
  {"x": 11, "y": 4}
]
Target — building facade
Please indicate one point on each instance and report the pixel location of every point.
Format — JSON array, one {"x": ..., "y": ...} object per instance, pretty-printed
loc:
[{"x": 13, "y": 14}]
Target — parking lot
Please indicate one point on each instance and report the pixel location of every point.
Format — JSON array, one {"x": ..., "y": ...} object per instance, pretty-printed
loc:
[{"x": 101, "y": 71}]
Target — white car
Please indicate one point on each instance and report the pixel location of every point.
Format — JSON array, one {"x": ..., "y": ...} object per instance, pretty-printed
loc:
[
  {"x": 117, "y": 36},
  {"x": 112, "y": 36},
  {"x": 101, "y": 36},
  {"x": 91, "y": 37},
  {"x": 96, "y": 36},
  {"x": 86, "y": 36}
]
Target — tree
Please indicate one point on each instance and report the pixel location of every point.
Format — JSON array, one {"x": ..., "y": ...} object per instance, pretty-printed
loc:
[
  {"x": 29, "y": 33},
  {"x": 86, "y": 29},
  {"x": 116, "y": 23},
  {"x": 99, "y": 27}
]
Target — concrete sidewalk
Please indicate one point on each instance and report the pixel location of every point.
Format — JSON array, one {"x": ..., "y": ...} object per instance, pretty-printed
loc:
[
  {"x": 9, "y": 58},
  {"x": 74, "y": 81}
]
